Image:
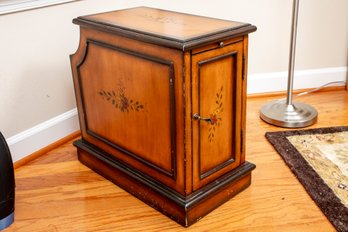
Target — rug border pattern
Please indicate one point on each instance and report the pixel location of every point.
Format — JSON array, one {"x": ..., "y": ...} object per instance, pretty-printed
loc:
[{"x": 325, "y": 198}]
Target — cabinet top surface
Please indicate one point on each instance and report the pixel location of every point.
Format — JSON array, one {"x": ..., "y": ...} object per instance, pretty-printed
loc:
[{"x": 163, "y": 24}]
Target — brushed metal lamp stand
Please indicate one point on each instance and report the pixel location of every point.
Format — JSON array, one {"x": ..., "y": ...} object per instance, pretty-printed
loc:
[{"x": 288, "y": 113}]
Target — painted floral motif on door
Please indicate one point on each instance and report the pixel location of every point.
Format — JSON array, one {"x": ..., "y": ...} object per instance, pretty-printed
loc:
[
  {"x": 120, "y": 100},
  {"x": 215, "y": 119}
]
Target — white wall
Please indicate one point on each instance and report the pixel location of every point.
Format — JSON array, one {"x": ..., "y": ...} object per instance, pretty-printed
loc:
[{"x": 35, "y": 77}]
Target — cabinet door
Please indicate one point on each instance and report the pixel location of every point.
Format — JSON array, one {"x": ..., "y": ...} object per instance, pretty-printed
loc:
[{"x": 216, "y": 112}]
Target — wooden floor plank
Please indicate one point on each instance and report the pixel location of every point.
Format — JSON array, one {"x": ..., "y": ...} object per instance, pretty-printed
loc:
[{"x": 57, "y": 193}]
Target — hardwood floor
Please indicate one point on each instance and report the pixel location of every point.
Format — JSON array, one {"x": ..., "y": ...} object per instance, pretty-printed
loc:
[{"x": 57, "y": 193}]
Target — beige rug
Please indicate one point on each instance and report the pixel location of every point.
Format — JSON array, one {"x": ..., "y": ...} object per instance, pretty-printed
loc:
[{"x": 319, "y": 159}]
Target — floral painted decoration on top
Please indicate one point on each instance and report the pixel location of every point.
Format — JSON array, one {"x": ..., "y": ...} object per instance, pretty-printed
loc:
[
  {"x": 215, "y": 119},
  {"x": 120, "y": 100}
]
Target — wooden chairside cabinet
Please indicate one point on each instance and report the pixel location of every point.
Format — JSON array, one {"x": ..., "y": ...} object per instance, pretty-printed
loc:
[{"x": 161, "y": 102}]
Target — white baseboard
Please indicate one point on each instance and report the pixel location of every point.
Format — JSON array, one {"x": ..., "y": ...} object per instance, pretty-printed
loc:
[
  {"x": 48, "y": 132},
  {"x": 42, "y": 135},
  {"x": 303, "y": 79}
]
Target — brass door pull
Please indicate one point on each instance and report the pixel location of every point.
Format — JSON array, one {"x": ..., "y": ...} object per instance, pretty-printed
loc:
[{"x": 198, "y": 117}]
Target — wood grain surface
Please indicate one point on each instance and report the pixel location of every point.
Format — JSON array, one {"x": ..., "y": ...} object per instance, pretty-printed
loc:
[
  {"x": 163, "y": 23},
  {"x": 57, "y": 193}
]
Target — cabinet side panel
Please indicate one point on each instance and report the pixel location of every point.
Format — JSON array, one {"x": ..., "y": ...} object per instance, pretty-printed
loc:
[
  {"x": 75, "y": 60},
  {"x": 130, "y": 99},
  {"x": 127, "y": 107}
]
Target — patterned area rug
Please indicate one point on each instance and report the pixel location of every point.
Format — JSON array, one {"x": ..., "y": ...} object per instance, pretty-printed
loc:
[{"x": 319, "y": 159}]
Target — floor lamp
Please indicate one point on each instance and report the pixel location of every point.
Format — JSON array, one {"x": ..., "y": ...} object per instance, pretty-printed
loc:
[{"x": 288, "y": 113}]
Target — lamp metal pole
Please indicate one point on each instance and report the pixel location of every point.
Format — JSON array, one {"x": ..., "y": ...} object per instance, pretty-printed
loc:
[{"x": 288, "y": 113}]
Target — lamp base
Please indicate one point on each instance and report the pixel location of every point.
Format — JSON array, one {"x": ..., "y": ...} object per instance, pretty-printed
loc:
[{"x": 294, "y": 115}]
